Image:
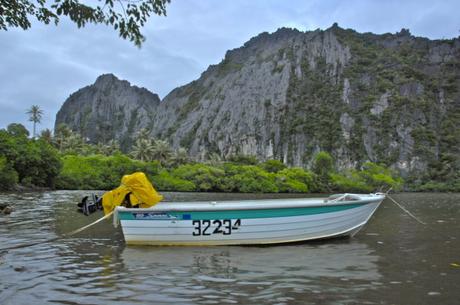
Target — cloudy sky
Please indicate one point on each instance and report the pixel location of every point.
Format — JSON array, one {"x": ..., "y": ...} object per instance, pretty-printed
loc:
[{"x": 45, "y": 64}]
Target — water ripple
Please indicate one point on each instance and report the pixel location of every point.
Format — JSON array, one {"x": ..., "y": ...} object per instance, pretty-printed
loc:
[{"x": 96, "y": 268}]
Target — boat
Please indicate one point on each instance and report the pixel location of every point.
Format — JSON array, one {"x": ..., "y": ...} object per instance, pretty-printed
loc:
[{"x": 246, "y": 222}]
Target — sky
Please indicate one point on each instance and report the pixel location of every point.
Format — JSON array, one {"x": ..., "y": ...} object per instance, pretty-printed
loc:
[{"x": 45, "y": 64}]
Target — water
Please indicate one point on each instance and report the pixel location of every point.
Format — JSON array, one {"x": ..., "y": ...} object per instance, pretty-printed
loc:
[{"x": 393, "y": 260}]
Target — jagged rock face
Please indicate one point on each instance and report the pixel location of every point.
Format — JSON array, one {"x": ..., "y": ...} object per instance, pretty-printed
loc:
[
  {"x": 239, "y": 106},
  {"x": 109, "y": 109},
  {"x": 288, "y": 95},
  {"x": 362, "y": 97}
]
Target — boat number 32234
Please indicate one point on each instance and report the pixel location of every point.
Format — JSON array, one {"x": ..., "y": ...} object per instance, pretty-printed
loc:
[{"x": 217, "y": 226}]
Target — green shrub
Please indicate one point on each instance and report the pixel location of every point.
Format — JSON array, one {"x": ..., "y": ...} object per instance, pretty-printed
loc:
[
  {"x": 206, "y": 178},
  {"x": 252, "y": 179},
  {"x": 243, "y": 159},
  {"x": 435, "y": 186},
  {"x": 8, "y": 176},
  {"x": 378, "y": 176},
  {"x": 294, "y": 180},
  {"x": 36, "y": 162},
  {"x": 165, "y": 182},
  {"x": 273, "y": 166},
  {"x": 350, "y": 182},
  {"x": 99, "y": 172},
  {"x": 372, "y": 177},
  {"x": 323, "y": 167}
]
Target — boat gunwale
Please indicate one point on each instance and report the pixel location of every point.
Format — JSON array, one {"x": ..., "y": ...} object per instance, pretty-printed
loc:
[{"x": 262, "y": 204}]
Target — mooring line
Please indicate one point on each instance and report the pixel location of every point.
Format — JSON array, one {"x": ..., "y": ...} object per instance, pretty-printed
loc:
[
  {"x": 405, "y": 210},
  {"x": 59, "y": 237}
]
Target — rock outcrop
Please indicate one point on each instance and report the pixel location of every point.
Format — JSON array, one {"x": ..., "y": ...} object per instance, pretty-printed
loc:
[{"x": 109, "y": 109}]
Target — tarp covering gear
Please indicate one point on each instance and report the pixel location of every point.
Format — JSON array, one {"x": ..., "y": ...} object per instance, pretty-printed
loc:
[{"x": 135, "y": 191}]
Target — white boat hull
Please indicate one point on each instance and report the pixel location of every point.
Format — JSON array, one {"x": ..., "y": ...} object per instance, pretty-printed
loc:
[{"x": 231, "y": 224}]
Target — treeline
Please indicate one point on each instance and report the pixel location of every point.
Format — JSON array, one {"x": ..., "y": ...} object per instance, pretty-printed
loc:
[
  {"x": 65, "y": 161},
  {"x": 32, "y": 163},
  {"x": 104, "y": 172}
]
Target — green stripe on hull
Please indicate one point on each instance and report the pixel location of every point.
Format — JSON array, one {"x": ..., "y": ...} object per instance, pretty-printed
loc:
[{"x": 234, "y": 214}]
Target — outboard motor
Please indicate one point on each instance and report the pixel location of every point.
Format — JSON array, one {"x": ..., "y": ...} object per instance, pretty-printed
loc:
[{"x": 88, "y": 206}]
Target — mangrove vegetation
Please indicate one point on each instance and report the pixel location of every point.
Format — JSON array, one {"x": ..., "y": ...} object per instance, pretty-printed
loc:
[{"x": 66, "y": 161}]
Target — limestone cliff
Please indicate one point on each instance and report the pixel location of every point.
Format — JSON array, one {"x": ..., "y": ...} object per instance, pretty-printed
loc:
[
  {"x": 109, "y": 109},
  {"x": 391, "y": 98}
]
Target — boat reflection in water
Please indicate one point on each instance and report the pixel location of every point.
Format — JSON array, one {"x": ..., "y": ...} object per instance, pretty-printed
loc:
[{"x": 238, "y": 274}]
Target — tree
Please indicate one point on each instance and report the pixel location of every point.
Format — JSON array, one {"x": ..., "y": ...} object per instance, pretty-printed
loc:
[
  {"x": 125, "y": 16},
  {"x": 142, "y": 150},
  {"x": 108, "y": 149},
  {"x": 17, "y": 130},
  {"x": 74, "y": 144},
  {"x": 143, "y": 134},
  {"x": 35, "y": 115},
  {"x": 323, "y": 167},
  {"x": 47, "y": 136},
  {"x": 8, "y": 176},
  {"x": 273, "y": 166},
  {"x": 61, "y": 133},
  {"x": 162, "y": 151},
  {"x": 180, "y": 157}
]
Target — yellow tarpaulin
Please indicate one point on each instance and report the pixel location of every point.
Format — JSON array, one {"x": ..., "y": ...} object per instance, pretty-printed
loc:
[{"x": 140, "y": 190}]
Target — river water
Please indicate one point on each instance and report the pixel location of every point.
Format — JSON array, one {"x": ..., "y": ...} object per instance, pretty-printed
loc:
[{"x": 393, "y": 260}]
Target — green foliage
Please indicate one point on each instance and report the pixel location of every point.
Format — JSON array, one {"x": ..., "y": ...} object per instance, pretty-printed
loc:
[
  {"x": 323, "y": 164},
  {"x": 102, "y": 172},
  {"x": 35, "y": 161},
  {"x": 323, "y": 167},
  {"x": 273, "y": 166},
  {"x": 350, "y": 181},
  {"x": 8, "y": 176},
  {"x": 99, "y": 172},
  {"x": 126, "y": 18},
  {"x": 435, "y": 186},
  {"x": 249, "y": 179},
  {"x": 243, "y": 159},
  {"x": 371, "y": 177},
  {"x": 17, "y": 130},
  {"x": 294, "y": 180},
  {"x": 226, "y": 66},
  {"x": 166, "y": 182},
  {"x": 35, "y": 116},
  {"x": 206, "y": 178}
]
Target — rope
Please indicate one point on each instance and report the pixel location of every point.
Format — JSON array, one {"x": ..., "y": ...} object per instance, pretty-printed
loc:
[
  {"x": 87, "y": 226},
  {"x": 406, "y": 211},
  {"x": 59, "y": 237}
]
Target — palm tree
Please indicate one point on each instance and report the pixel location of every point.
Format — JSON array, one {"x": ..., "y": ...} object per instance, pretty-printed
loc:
[
  {"x": 162, "y": 151},
  {"x": 180, "y": 157},
  {"x": 74, "y": 144},
  {"x": 108, "y": 149},
  {"x": 61, "y": 134},
  {"x": 35, "y": 115},
  {"x": 143, "y": 134},
  {"x": 46, "y": 135},
  {"x": 142, "y": 150}
]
